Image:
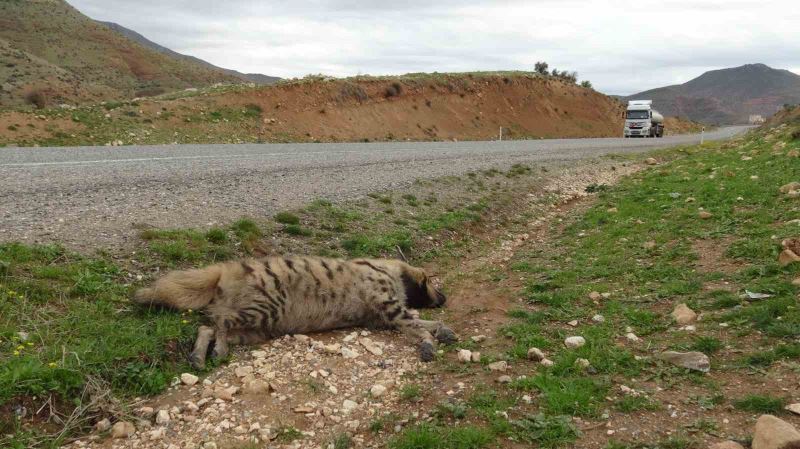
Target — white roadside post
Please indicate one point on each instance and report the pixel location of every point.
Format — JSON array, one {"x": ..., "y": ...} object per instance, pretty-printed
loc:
[
  {"x": 702, "y": 134},
  {"x": 501, "y": 134}
]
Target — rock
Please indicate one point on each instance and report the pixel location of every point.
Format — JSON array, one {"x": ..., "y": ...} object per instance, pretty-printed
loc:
[
  {"x": 651, "y": 161},
  {"x": 146, "y": 411},
  {"x": 595, "y": 296},
  {"x": 704, "y": 214},
  {"x": 377, "y": 390},
  {"x": 574, "y": 342},
  {"x": 794, "y": 408},
  {"x": 504, "y": 379},
  {"x": 692, "y": 360},
  {"x": 349, "y": 353},
  {"x": 786, "y": 188},
  {"x": 650, "y": 244},
  {"x": 122, "y": 429},
  {"x": 243, "y": 371},
  {"x": 189, "y": 379},
  {"x": 464, "y": 355},
  {"x": 348, "y": 406},
  {"x": 303, "y": 409},
  {"x": 478, "y": 338},
  {"x": 547, "y": 362},
  {"x": 582, "y": 363},
  {"x": 632, "y": 337},
  {"x": 371, "y": 347},
  {"x": 476, "y": 357},
  {"x": 226, "y": 394},
  {"x": 787, "y": 257},
  {"x": 256, "y": 387},
  {"x": 209, "y": 445},
  {"x": 793, "y": 153},
  {"x": 333, "y": 349},
  {"x": 598, "y": 318},
  {"x": 536, "y": 354},
  {"x": 774, "y": 433},
  {"x": 527, "y": 399},
  {"x": 683, "y": 315},
  {"x": 726, "y": 445},
  {"x": 573, "y": 323},
  {"x": 498, "y": 366},
  {"x": 102, "y": 425},
  {"x": 162, "y": 418}
]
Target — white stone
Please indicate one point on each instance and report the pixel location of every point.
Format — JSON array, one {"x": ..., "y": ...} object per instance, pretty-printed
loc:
[
  {"x": 464, "y": 355},
  {"x": 348, "y": 406},
  {"x": 598, "y": 318},
  {"x": 498, "y": 366},
  {"x": 162, "y": 418},
  {"x": 535, "y": 354},
  {"x": 377, "y": 390},
  {"x": 574, "y": 342}
]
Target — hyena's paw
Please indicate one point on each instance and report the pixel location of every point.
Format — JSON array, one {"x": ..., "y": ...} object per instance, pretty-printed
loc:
[
  {"x": 427, "y": 351},
  {"x": 445, "y": 335},
  {"x": 197, "y": 361},
  {"x": 219, "y": 353}
]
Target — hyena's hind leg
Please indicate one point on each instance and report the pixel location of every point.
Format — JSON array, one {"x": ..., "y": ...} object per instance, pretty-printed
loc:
[{"x": 205, "y": 335}]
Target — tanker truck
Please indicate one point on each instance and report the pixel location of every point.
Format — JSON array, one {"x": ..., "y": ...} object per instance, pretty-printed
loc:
[{"x": 641, "y": 120}]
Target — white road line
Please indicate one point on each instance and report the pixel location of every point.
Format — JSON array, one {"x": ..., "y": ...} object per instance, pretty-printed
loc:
[{"x": 176, "y": 158}]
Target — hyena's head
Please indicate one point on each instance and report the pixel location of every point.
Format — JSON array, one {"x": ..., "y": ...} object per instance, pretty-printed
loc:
[{"x": 420, "y": 291}]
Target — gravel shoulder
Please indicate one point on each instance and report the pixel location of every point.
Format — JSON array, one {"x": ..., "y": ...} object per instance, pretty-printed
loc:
[{"x": 95, "y": 196}]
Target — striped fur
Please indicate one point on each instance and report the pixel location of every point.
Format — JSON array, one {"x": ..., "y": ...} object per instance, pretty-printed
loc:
[{"x": 252, "y": 300}]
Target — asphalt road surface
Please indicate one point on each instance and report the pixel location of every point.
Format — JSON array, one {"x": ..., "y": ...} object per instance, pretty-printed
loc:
[{"x": 91, "y": 196}]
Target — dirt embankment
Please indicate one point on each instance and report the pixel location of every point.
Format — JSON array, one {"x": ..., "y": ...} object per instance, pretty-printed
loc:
[
  {"x": 413, "y": 107},
  {"x": 436, "y": 107}
]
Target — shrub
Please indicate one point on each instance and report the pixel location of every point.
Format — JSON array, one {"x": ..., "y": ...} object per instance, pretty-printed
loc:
[
  {"x": 353, "y": 91},
  {"x": 541, "y": 67},
  {"x": 587, "y": 84},
  {"x": 394, "y": 90},
  {"x": 37, "y": 98}
]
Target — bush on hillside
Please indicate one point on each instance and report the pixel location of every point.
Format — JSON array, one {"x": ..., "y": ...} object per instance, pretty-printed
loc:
[
  {"x": 37, "y": 98},
  {"x": 541, "y": 67},
  {"x": 394, "y": 90}
]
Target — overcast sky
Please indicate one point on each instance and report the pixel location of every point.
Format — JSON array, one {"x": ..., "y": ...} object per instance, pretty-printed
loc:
[{"x": 620, "y": 46}]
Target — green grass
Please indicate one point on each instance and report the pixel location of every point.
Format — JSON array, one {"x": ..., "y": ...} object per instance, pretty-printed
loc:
[
  {"x": 760, "y": 404},
  {"x": 410, "y": 392},
  {"x": 287, "y": 218},
  {"x": 434, "y": 437}
]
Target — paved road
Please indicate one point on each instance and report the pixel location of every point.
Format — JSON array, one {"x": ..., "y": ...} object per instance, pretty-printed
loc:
[{"x": 92, "y": 195}]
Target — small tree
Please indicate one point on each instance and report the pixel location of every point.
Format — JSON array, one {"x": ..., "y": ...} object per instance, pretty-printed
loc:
[
  {"x": 541, "y": 67},
  {"x": 587, "y": 84}
]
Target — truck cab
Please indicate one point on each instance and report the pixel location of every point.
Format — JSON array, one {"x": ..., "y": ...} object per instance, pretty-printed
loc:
[{"x": 641, "y": 120}]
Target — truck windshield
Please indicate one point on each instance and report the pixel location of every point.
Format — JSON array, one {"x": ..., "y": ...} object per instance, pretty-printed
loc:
[{"x": 637, "y": 115}]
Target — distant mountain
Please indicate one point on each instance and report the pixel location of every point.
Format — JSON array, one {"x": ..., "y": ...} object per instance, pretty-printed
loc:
[
  {"x": 133, "y": 35},
  {"x": 51, "y": 52},
  {"x": 727, "y": 96}
]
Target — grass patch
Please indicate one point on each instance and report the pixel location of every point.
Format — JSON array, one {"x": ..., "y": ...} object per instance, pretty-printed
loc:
[
  {"x": 760, "y": 404},
  {"x": 287, "y": 218},
  {"x": 426, "y": 436}
]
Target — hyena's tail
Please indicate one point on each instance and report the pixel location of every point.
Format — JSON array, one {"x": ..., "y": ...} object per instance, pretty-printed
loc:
[{"x": 189, "y": 289}]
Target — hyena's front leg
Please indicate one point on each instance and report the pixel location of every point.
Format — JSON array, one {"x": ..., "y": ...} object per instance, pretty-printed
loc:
[
  {"x": 442, "y": 333},
  {"x": 394, "y": 313},
  {"x": 221, "y": 344},
  {"x": 204, "y": 336}
]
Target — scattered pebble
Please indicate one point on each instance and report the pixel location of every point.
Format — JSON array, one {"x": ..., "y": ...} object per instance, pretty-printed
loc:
[{"x": 574, "y": 342}]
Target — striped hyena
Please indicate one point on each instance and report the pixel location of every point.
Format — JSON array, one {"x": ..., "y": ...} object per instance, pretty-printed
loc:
[{"x": 252, "y": 300}]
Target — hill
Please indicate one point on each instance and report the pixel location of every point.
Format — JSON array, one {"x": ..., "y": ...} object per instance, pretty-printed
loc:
[
  {"x": 467, "y": 106},
  {"x": 136, "y": 37},
  {"x": 727, "y": 96},
  {"x": 50, "y": 48}
]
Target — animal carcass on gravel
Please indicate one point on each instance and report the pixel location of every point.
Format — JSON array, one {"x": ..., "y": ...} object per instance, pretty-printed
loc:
[{"x": 252, "y": 300}]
